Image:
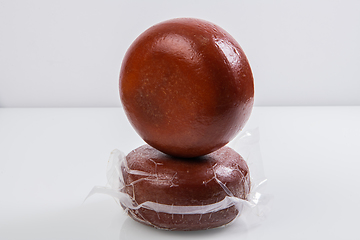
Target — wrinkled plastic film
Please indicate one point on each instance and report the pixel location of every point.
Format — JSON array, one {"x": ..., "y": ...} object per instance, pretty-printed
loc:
[
  {"x": 247, "y": 144},
  {"x": 253, "y": 208}
]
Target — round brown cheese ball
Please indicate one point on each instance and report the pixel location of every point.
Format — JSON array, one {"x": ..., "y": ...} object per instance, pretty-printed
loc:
[
  {"x": 182, "y": 194},
  {"x": 186, "y": 87}
]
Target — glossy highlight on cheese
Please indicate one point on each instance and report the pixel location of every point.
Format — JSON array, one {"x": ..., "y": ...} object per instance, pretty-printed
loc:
[{"x": 186, "y": 87}]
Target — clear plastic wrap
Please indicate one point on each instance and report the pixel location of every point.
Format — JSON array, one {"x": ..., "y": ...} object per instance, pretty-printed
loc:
[{"x": 252, "y": 206}]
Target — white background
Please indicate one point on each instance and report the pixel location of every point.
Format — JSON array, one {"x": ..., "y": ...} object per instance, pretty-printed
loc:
[
  {"x": 68, "y": 53},
  {"x": 50, "y": 159}
]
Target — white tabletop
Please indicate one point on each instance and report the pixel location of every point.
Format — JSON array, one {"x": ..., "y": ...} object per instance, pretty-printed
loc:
[{"x": 50, "y": 159}]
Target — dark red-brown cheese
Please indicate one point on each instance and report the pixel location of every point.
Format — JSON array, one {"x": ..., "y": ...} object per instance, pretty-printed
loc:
[
  {"x": 150, "y": 175},
  {"x": 186, "y": 87}
]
